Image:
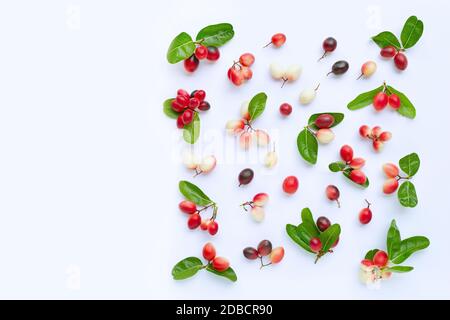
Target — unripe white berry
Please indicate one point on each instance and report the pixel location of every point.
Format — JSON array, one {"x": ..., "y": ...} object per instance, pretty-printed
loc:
[
  {"x": 207, "y": 164},
  {"x": 325, "y": 136},
  {"x": 271, "y": 159},
  {"x": 190, "y": 160},
  {"x": 293, "y": 72},
  {"x": 307, "y": 96},
  {"x": 257, "y": 214},
  {"x": 277, "y": 71}
]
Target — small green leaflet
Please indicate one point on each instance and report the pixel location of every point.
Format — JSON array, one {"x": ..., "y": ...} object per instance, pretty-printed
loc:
[
  {"x": 370, "y": 254},
  {"x": 337, "y": 166},
  {"x": 307, "y": 146},
  {"x": 293, "y": 233},
  {"x": 393, "y": 239},
  {"x": 408, "y": 247},
  {"x": 364, "y": 99},
  {"x": 412, "y": 31},
  {"x": 338, "y": 117},
  {"x": 257, "y": 105},
  {"x": 181, "y": 48},
  {"x": 410, "y": 164},
  {"x": 330, "y": 236},
  {"x": 400, "y": 269},
  {"x": 193, "y": 193},
  {"x": 386, "y": 38},
  {"x": 168, "y": 111},
  {"x": 407, "y": 195},
  {"x": 229, "y": 273},
  {"x": 215, "y": 35},
  {"x": 186, "y": 268},
  {"x": 191, "y": 132}
]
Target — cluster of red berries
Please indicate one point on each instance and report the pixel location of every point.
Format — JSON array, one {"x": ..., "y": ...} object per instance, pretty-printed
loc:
[
  {"x": 400, "y": 60},
  {"x": 240, "y": 70},
  {"x": 264, "y": 249},
  {"x": 201, "y": 53},
  {"x": 195, "y": 220},
  {"x": 382, "y": 99},
  {"x": 375, "y": 134},
  {"x": 323, "y": 223},
  {"x": 392, "y": 172},
  {"x": 186, "y": 105},
  {"x": 217, "y": 263},
  {"x": 380, "y": 259},
  {"x": 354, "y": 164},
  {"x": 256, "y": 205}
]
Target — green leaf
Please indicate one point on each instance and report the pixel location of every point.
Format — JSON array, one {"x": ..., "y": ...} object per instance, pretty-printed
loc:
[
  {"x": 386, "y": 38},
  {"x": 186, "y": 268},
  {"x": 393, "y": 240},
  {"x": 408, "y": 247},
  {"x": 338, "y": 117},
  {"x": 216, "y": 35},
  {"x": 293, "y": 233},
  {"x": 168, "y": 111},
  {"x": 229, "y": 273},
  {"x": 181, "y": 48},
  {"x": 407, "y": 195},
  {"x": 400, "y": 269},
  {"x": 412, "y": 31},
  {"x": 309, "y": 224},
  {"x": 406, "y": 109},
  {"x": 191, "y": 132},
  {"x": 410, "y": 164},
  {"x": 337, "y": 166},
  {"x": 329, "y": 236},
  {"x": 347, "y": 175},
  {"x": 364, "y": 99},
  {"x": 307, "y": 146},
  {"x": 193, "y": 193},
  {"x": 371, "y": 253},
  {"x": 257, "y": 105}
]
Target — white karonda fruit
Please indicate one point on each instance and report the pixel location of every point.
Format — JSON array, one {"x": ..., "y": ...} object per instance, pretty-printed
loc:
[
  {"x": 244, "y": 110},
  {"x": 325, "y": 136},
  {"x": 307, "y": 96},
  {"x": 293, "y": 72},
  {"x": 190, "y": 160},
  {"x": 257, "y": 214},
  {"x": 207, "y": 164},
  {"x": 277, "y": 71},
  {"x": 271, "y": 159}
]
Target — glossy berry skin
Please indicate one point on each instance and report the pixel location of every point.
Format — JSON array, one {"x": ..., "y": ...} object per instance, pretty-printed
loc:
[
  {"x": 193, "y": 103},
  {"x": 209, "y": 252},
  {"x": 376, "y": 131},
  {"x": 220, "y": 264},
  {"x": 394, "y": 101},
  {"x": 385, "y": 136},
  {"x": 380, "y": 258},
  {"x": 380, "y": 101},
  {"x": 245, "y": 176},
  {"x": 323, "y": 223},
  {"x": 213, "y": 54},
  {"x": 325, "y": 136},
  {"x": 400, "y": 60},
  {"x": 285, "y": 109},
  {"x": 346, "y": 153},
  {"x": 391, "y": 170},
  {"x": 194, "y": 221},
  {"x": 339, "y": 67},
  {"x": 187, "y": 207},
  {"x": 204, "y": 225},
  {"x": 236, "y": 76},
  {"x": 358, "y": 176},
  {"x": 176, "y": 106},
  {"x": 182, "y": 100},
  {"x": 278, "y": 39},
  {"x": 365, "y": 215},
  {"x": 247, "y": 73},
  {"x": 332, "y": 192},
  {"x": 264, "y": 248},
  {"x": 191, "y": 64},
  {"x": 390, "y": 186},
  {"x": 324, "y": 121},
  {"x": 182, "y": 92},
  {"x": 388, "y": 52},
  {"x": 364, "y": 131},
  {"x": 204, "y": 106},
  {"x": 250, "y": 253},
  {"x": 290, "y": 184},
  {"x": 213, "y": 227},
  {"x": 315, "y": 244},
  {"x": 201, "y": 52},
  {"x": 180, "y": 124},
  {"x": 247, "y": 59},
  {"x": 329, "y": 44},
  {"x": 260, "y": 199},
  {"x": 367, "y": 262},
  {"x": 200, "y": 95},
  {"x": 276, "y": 255},
  {"x": 187, "y": 116},
  {"x": 368, "y": 69}
]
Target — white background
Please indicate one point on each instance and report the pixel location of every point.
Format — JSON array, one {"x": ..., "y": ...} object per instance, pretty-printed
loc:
[{"x": 89, "y": 163}]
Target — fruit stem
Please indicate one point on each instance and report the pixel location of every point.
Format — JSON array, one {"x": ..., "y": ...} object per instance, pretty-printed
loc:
[
  {"x": 360, "y": 76},
  {"x": 368, "y": 203},
  {"x": 317, "y": 88},
  {"x": 402, "y": 178},
  {"x": 262, "y": 264},
  {"x": 197, "y": 172},
  {"x": 268, "y": 44},
  {"x": 323, "y": 56},
  {"x": 338, "y": 203},
  {"x": 284, "y": 81},
  {"x": 206, "y": 207},
  {"x": 329, "y": 73},
  {"x": 310, "y": 130}
]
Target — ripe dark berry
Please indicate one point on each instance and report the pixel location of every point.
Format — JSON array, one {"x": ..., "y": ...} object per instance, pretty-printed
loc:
[
  {"x": 245, "y": 176},
  {"x": 264, "y": 248},
  {"x": 324, "y": 121},
  {"x": 315, "y": 244},
  {"x": 380, "y": 101},
  {"x": 328, "y": 45},
  {"x": 182, "y": 92},
  {"x": 290, "y": 184},
  {"x": 204, "y": 105},
  {"x": 250, "y": 253},
  {"x": 191, "y": 64},
  {"x": 323, "y": 223},
  {"x": 213, "y": 54},
  {"x": 213, "y": 227},
  {"x": 388, "y": 52},
  {"x": 182, "y": 100},
  {"x": 333, "y": 193},
  {"x": 199, "y": 94},
  {"x": 400, "y": 60},
  {"x": 201, "y": 52},
  {"x": 194, "y": 221},
  {"x": 339, "y": 67},
  {"x": 285, "y": 109},
  {"x": 193, "y": 103}
]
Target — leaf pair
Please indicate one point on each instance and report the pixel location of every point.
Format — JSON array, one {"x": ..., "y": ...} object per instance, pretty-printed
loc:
[
  {"x": 406, "y": 194},
  {"x": 305, "y": 231},
  {"x": 399, "y": 250},
  {"x": 406, "y": 109},
  {"x": 410, "y": 35},
  {"x": 307, "y": 143},
  {"x": 193, "y": 193},
  {"x": 189, "y": 267},
  {"x": 183, "y": 46}
]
